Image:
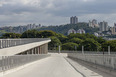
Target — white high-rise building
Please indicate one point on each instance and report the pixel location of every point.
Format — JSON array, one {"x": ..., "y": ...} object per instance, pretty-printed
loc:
[
  {"x": 90, "y": 24},
  {"x": 103, "y": 26},
  {"x": 113, "y": 29}
]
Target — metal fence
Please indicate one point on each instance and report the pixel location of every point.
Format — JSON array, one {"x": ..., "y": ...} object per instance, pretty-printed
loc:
[
  {"x": 4, "y": 43},
  {"x": 9, "y": 62},
  {"x": 105, "y": 60}
]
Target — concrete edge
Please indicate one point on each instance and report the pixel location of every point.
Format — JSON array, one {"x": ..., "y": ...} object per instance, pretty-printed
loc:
[{"x": 74, "y": 67}]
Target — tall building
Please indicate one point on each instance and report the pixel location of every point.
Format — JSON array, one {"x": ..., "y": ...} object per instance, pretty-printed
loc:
[
  {"x": 73, "y": 20},
  {"x": 113, "y": 29},
  {"x": 115, "y": 26},
  {"x": 33, "y": 26},
  {"x": 103, "y": 26}
]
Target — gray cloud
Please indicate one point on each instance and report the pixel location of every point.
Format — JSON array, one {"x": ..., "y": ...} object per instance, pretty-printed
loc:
[{"x": 16, "y": 12}]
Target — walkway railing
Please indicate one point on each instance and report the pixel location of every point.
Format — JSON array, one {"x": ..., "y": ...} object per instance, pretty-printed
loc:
[
  {"x": 4, "y": 43},
  {"x": 9, "y": 62},
  {"x": 105, "y": 60},
  {"x": 84, "y": 52}
]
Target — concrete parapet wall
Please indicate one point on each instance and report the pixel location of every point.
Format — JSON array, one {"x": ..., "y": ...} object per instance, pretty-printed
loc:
[
  {"x": 11, "y": 62},
  {"x": 97, "y": 59}
]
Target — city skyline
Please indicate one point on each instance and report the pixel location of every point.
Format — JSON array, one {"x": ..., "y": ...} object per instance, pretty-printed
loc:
[{"x": 55, "y": 12}]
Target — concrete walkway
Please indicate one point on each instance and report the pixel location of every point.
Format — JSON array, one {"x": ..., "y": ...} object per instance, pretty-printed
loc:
[{"x": 54, "y": 66}]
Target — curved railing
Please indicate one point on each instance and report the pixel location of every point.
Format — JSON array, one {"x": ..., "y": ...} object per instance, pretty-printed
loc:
[{"x": 4, "y": 43}]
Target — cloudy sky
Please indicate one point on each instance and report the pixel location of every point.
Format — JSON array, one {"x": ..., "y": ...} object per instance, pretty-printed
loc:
[{"x": 55, "y": 12}]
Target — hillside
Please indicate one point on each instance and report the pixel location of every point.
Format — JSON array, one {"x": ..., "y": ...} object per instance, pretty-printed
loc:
[{"x": 63, "y": 29}]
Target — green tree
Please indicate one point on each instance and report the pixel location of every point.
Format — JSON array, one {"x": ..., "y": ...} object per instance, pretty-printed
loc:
[
  {"x": 11, "y": 35},
  {"x": 30, "y": 34},
  {"x": 55, "y": 42},
  {"x": 76, "y": 40},
  {"x": 62, "y": 38},
  {"x": 90, "y": 45},
  {"x": 101, "y": 40},
  {"x": 45, "y": 34},
  {"x": 112, "y": 45},
  {"x": 80, "y": 36},
  {"x": 91, "y": 36},
  {"x": 69, "y": 46}
]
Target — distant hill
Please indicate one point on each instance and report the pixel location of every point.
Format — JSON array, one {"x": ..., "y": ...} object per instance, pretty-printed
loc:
[{"x": 63, "y": 29}]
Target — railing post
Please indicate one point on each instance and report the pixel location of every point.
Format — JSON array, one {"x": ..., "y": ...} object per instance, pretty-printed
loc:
[
  {"x": 1, "y": 43},
  {"x": 59, "y": 48},
  {"x": 8, "y": 42},
  {"x": 20, "y": 41},
  {"x": 109, "y": 50},
  {"x": 83, "y": 50},
  {"x": 15, "y": 42},
  {"x": 112, "y": 62},
  {"x": 5, "y": 43}
]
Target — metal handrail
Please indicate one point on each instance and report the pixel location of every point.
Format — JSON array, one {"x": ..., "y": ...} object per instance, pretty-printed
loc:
[
  {"x": 98, "y": 59},
  {"x": 10, "y": 62},
  {"x": 4, "y": 43}
]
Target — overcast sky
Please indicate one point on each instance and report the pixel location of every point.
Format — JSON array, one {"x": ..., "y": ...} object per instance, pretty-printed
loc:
[{"x": 55, "y": 12}]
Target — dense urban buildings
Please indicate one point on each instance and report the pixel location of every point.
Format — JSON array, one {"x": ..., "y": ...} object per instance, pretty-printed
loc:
[
  {"x": 18, "y": 29},
  {"x": 93, "y": 23},
  {"x": 73, "y": 20},
  {"x": 103, "y": 26},
  {"x": 32, "y": 26}
]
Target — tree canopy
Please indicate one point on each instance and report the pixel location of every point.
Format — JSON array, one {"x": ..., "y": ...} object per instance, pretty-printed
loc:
[
  {"x": 55, "y": 42},
  {"x": 70, "y": 42},
  {"x": 76, "y": 40},
  {"x": 112, "y": 45},
  {"x": 38, "y": 34},
  {"x": 69, "y": 46},
  {"x": 11, "y": 35},
  {"x": 90, "y": 45},
  {"x": 30, "y": 34},
  {"x": 45, "y": 34}
]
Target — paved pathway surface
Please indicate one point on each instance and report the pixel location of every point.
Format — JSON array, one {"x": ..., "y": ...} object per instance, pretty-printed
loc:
[{"x": 54, "y": 66}]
